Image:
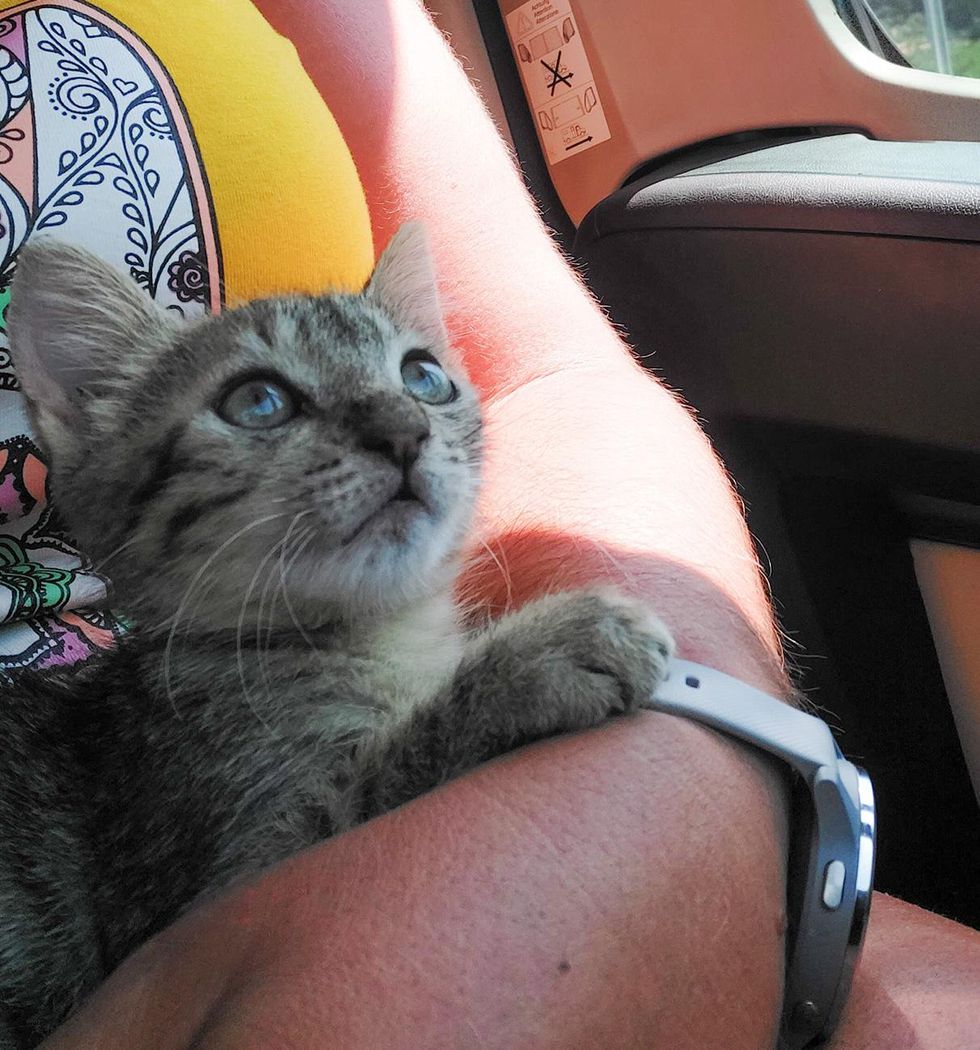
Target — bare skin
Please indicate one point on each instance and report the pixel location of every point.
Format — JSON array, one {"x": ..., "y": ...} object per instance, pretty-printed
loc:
[
  {"x": 513, "y": 909},
  {"x": 622, "y": 888}
]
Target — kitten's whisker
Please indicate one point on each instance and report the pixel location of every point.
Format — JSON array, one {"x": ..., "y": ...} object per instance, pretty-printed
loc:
[
  {"x": 504, "y": 569},
  {"x": 262, "y": 655},
  {"x": 284, "y": 568},
  {"x": 300, "y": 550},
  {"x": 262, "y": 660},
  {"x": 284, "y": 547},
  {"x": 239, "y": 634},
  {"x": 624, "y": 574},
  {"x": 201, "y": 591},
  {"x": 302, "y": 546},
  {"x": 112, "y": 554},
  {"x": 168, "y": 649}
]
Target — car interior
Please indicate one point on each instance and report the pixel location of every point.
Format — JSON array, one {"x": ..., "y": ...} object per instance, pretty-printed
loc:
[{"x": 779, "y": 204}]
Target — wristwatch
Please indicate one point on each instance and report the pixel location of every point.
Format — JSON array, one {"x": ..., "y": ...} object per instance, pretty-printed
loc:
[{"x": 832, "y": 839}]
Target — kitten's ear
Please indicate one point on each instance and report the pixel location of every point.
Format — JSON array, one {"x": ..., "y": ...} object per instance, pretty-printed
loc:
[
  {"x": 404, "y": 283},
  {"x": 74, "y": 322}
]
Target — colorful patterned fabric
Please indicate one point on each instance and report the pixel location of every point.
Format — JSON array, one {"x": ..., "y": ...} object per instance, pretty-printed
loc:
[{"x": 183, "y": 188}]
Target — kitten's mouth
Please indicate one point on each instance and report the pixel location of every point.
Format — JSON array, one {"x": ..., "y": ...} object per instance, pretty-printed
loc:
[
  {"x": 400, "y": 508},
  {"x": 406, "y": 493}
]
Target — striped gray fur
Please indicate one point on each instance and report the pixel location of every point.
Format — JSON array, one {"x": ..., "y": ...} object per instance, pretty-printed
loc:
[{"x": 298, "y": 663}]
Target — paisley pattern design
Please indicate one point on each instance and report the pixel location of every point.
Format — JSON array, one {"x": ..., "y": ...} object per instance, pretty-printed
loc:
[
  {"x": 94, "y": 149},
  {"x": 33, "y": 588}
]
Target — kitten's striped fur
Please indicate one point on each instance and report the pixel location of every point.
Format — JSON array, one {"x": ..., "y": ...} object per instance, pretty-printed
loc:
[{"x": 297, "y": 665}]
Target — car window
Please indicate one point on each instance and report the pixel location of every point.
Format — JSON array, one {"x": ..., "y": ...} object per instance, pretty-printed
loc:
[{"x": 939, "y": 35}]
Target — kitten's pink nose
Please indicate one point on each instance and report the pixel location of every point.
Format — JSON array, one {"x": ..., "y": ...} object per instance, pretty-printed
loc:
[{"x": 398, "y": 440}]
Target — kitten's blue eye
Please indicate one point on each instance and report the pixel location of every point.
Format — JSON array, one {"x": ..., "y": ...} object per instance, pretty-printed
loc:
[
  {"x": 258, "y": 404},
  {"x": 425, "y": 380}
]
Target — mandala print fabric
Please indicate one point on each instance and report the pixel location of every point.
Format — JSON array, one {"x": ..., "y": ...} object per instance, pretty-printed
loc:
[{"x": 94, "y": 149}]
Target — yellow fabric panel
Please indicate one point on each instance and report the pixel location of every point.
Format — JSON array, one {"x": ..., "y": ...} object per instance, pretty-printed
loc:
[{"x": 290, "y": 210}]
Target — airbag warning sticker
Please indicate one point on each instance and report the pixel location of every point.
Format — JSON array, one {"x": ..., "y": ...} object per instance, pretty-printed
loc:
[{"x": 557, "y": 78}]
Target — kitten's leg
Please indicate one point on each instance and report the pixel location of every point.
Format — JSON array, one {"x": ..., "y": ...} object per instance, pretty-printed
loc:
[{"x": 562, "y": 663}]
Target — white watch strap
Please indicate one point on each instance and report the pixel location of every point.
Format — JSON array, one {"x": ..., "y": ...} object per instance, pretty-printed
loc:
[
  {"x": 731, "y": 706},
  {"x": 835, "y": 850}
]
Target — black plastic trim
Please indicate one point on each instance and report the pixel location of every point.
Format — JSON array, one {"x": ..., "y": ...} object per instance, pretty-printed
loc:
[
  {"x": 532, "y": 163},
  {"x": 725, "y": 147},
  {"x": 834, "y": 545},
  {"x": 833, "y": 184}
]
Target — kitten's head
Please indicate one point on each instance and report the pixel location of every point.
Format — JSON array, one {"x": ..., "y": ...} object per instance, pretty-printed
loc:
[{"x": 293, "y": 459}]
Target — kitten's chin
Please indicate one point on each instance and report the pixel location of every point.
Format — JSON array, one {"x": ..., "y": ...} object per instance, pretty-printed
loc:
[{"x": 398, "y": 556}]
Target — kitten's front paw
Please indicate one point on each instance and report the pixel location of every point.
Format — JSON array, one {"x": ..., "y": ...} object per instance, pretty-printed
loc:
[
  {"x": 586, "y": 654},
  {"x": 631, "y": 645},
  {"x": 562, "y": 663}
]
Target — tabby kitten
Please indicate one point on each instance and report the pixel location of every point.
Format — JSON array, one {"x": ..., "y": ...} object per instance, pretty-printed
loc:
[{"x": 280, "y": 495}]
